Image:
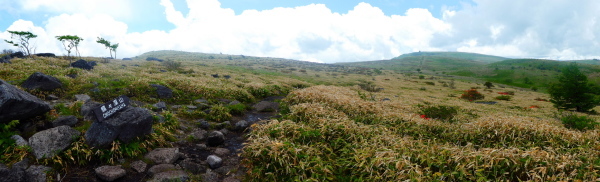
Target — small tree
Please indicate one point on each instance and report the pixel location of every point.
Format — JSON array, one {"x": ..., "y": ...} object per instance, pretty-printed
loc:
[
  {"x": 70, "y": 42},
  {"x": 572, "y": 90},
  {"x": 22, "y": 40},
  {"x": 111, "y": 47},
  {"x": 488, "y": 85}
]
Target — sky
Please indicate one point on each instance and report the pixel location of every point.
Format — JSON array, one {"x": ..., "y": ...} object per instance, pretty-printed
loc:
[{"x": 326, "y": 31}]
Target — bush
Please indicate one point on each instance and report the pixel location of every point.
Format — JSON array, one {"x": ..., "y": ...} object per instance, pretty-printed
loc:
[
  {"x": 581, "y": 123},
  {"x": 219, "y": 113},
  {"x": 503, "y": 97},
  {"x": 172, "y": 65},
  {"x": 472, "y": 95},
  {"x": 444, "y": 113}
]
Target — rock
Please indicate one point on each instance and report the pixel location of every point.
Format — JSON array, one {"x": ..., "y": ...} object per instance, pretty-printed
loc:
[
  {"x": 215, "y": 75},
  {"x": 139, "y": 166},
  {"x": 266, "y": 106},
  {"x": 154, "y": 59},
  {"x": 5, "y": 59},
  {"x": 204, "y": 124},
  {"x": 226, "y": 76},
  {"x": 10, "y": 175},
  {"x": 42, "y": 82},
  {"x": 47, "y": 143},
  {"x": 127, "y": 59},
  {"x": 126, "y": 125},
  {"x": 19, "y": 140},
  {"x": 163, "y": 155},
  {"x": 192, "y": 107},
  {"x": 45, "y": 55},
  {"x": 214, "y": 161},
  {"x": 162, "y": 71},
  {"x": 224, "y": 170},
  {"x": 17, "y": 55},
  {"x": 161, "y": 168},
  {"x": 224, "y": 101},
  {"x": 177, "y": 175},
  {"x": 222, "y": 152},
  {"x": 231, "y": 179},
  {"x": 199, "y": 134},
  {"x": 82, "y": 97},
  {"x": 72, "y": 75},
  {"x": 201, "y": 146},
  {"x": 192, "y": 166},
  {"x": 51, "y": 97},
  {"x": 162, "y": 91},
  {"x": 234, "y": 102},
  {"x": 110, "y": 173},
  {"x": 224, "y": 130},
  {"x": 240, "y": 125},
  {"x": 87, "y": 110},
  {"x": 201, "y": 101},
  {"x": 92, "y": 63},
  {"x": 16, "y": 104},
  {"x": 215, "y": 138},
  {"x": 210, "y": 176},
  {"x": 160, "y": 106},
  {"x": 82, "y": 64},
  {"x": 36, "y": 173},
  {"x": 65, "y": 120}
]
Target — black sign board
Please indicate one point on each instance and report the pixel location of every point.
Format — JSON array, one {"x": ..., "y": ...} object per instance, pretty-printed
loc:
[{"x": 111, "y": 107}]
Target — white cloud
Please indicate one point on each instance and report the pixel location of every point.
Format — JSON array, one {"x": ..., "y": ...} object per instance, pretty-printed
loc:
[{"x": 116, "y": 8}]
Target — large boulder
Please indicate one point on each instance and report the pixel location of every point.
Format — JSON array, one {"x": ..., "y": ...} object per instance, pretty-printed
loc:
[
  {"x": 37, "y": 173},
  {"x": 162, "y": 91},
  {"x": 47, "y": 143},
  {"x": 126, "y": 125},
  {"x": 16, "y": 173},
  {"x": 42, "y": 82},
  {"x": 215, "y": 138},
  {"x": 16, "y": 104},
  {"x": 5, "y": 59},
  {"x": 17, "y": 55},
  {"x": 83, "y": 64}
]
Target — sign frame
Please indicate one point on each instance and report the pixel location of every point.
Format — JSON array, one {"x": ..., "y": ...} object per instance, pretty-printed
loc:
[{"x": 109, "y": 108}]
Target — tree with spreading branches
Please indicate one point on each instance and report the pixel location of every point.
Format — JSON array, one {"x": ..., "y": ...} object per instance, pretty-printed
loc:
[
  {"x": 111, "y": 47},
  {"x": 70, "y": 42},
  {"x": 572, "y": 90},
  {"x": 21, "y": 40}
]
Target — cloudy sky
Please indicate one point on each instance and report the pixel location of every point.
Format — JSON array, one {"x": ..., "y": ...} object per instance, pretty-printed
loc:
[{"x": 313, "y": 30}]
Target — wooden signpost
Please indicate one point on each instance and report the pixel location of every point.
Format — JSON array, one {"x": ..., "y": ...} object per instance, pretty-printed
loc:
[{"x": 111, "y": 107}]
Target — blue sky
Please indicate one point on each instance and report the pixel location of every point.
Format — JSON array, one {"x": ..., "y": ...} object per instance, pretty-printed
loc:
[{"x": 320, "y": 31}]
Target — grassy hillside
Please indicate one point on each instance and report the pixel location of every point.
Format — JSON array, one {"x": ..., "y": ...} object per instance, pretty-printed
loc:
[
  {"x": 430, "y": 61},
  {"x": 339, "y": 123}
]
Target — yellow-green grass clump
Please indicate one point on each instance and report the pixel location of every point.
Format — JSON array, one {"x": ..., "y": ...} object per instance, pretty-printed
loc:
[{"x": 331, "y": 134}]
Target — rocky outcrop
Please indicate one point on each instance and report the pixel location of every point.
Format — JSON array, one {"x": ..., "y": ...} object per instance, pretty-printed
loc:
[
  {"x": 126, "y": 125},
  {"x": 83, "y": 64},
  {"x": 110, "y": 173},
  {"x": 45, "y": 55},
  {"x": 42, "y": 82},
  {"x": 16, "y": 104},
  {"x": 48, "y": 143},
  {"x": 162, "y": 91}
]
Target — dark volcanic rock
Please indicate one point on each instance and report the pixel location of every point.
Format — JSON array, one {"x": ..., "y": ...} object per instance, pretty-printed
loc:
[
  {"x": 154, "y": 59},
  {"x": 127, "y": 59},
  {"x": 17, "y": 104},
  {"x": 125, "y": 125},
  {"x": 214, "y": 161},
  {"x": 87, "y": 110},
  {"x": 42, "y": 82},
  {"x": 36, "y": 173},
  {"x": 47, "y": 143},
  {"x": 65, "y": 121},
  {"x": 10, "y": 175},
  {"x": 17, "y": 55},
  {"x": 5, "y": 59},
  {"x": 163, "y": 155},
  {"x": 110, "y": 173},
  {"x": 215, "y": 138},
  {"x": 266, "y": 106},
  {"x": 162, "y": 91},
  {"x": 45, "y": 55},
  {"x": 83, "y": 64}
]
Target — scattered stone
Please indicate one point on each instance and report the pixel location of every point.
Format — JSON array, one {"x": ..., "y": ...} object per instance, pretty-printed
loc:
[
  {"x": 52, "y": 97},
  {"x": 215, "y": 75},
  {"x": 19, "y": 140},
  {"x": 163, "y": 71},
  {"x": 72, "y": 75},
  {"x": 266, "y": 106},
  {"x": 210, "y": 176},
  {"x": 224, "y": 101},
  {"x": 226, "y": 76},
  {"x": 192, "y": 107},
  {"x": 159, "y": 168},
  {"x": 87, "y": 110},
  {"x": 36, "y": 173},
  {"x": 224, "y": 130},
  {"x": 139, "y": 166},
  {"x": 82, "y": 64},
  {"x": 214, "y": 161},
  {"x": 231, "y": 179},
  {"x": 215, "y": 138},
  {"x": 127, "y": 59},
  {"x": 47, "y": 143},
  {"x": 175, "y": 107},
  {"x": 199, "y": 134},
  {"x": 42, "y": 82},
  {"x": 240, "y": 125},
  {"x": 110, "y": 173},
  {"x": 163, "y": 155},
  {"x": 201, "y": 101},
  {"x": 126, "y": 125},
  {"x": 16, "y": 104},
  {"x": 45, "y": 55},
  {"x": 190, "y": 165},
  {"x": 222, "y": 152},
  {"x": 154, "y": 59},
  {"x": 386, "y": 99},
  {"x": 65, "y": 121},
  {"x": 177, "y": 175},
  {"x": 201, "y": 146},
  {"x": 160, "y": 106},
  {"x": 9, "y": 175},
  {"x": 224, "y": 170},
  {"x": 162, "y": 91},
  {"x": 82, "y": 97},
  {"x": 234, "y": 102},
  {"x": 204, "y": 124}
]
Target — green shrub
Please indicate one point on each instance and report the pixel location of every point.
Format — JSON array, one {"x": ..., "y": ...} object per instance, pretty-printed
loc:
[
  {"x": 503, "y": 97},
  {"x": 581, "y": 123},
  {"x": 472, "y": 95},
  {"x": 219, "y": 113},
  {"x": 444, "y": 113},
  {"x": 430, "y": 83},
  {"x": 5, "y": 134},
  {"x": 237, "y": 109},
  {"x": 171, "y": 65}
]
